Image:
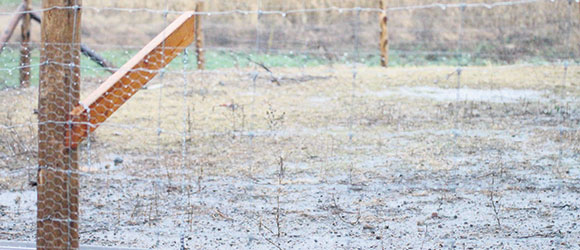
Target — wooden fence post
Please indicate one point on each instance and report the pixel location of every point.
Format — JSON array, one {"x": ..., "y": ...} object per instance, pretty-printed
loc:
[
  {"x": 10, "y": 28},
  {"x": 25, "y": 47},
  {"x": 199, "y": 7},
  {"x": 85, "y": 50},
  {"x": 58, "y": 179},
  {"x": 384, "y": 38}
]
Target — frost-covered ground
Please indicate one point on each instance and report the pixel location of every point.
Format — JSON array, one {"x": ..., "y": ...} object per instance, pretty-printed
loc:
[{"x": 400, "y": 158}]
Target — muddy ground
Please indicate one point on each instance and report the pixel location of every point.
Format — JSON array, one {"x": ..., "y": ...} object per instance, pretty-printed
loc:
[{"x": 334, "y": 158}]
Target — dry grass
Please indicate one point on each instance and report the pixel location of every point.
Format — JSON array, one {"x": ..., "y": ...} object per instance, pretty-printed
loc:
[
  {"x": 212, "y": 144},
  {"x": 217, "y": 111},
  {"x": 509, "y": 33},
  {"x": 204, "y": 152}
]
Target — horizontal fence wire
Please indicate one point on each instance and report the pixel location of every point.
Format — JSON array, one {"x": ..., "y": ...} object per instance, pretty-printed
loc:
[
  {"x": 298, "y": 11},
  {"x": 292, "y": 134}
]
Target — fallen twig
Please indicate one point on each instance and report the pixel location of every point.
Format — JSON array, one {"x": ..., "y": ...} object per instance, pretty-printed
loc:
[{"x": 274, "y": 79}]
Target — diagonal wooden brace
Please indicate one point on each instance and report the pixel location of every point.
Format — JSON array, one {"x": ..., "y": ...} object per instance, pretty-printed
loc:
[{"x": 130, "y": 78}]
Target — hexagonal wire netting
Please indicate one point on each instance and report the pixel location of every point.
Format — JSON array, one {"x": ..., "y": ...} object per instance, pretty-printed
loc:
[{"x": 272, "y": 124}]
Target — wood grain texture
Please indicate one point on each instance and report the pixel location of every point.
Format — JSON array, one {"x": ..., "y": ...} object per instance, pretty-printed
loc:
[
  {"x": 98, "y": 106},
  {"x": 58, "y": 180},
  {"x": 25, "y": 47}
]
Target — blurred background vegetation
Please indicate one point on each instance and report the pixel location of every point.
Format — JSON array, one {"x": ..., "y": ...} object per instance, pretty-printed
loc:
[{"x": 538, "y": 33}]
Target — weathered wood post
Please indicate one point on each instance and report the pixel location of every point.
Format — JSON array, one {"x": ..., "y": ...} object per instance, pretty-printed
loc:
[
  {"x": 85, "y": 50},
  {"x": 384, "y": 37},
  {"x": 199, "y": 7},
  {"x": 10, "y": 28},
  {"x": 25, "y": 47},
  {"x": 58, "y": 179}
]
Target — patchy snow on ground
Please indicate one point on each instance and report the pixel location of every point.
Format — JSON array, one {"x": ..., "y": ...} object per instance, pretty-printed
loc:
[
  {"x": 504, "y": 95},
  {"x": 326, "y": 164}
]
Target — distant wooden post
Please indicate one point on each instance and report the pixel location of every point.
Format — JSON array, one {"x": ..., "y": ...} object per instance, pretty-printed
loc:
[
  {"x": 58, "y": 179},
  {"x": 199, "y": 36},
  {"x": 384, "y": 38},
  {"x": 10, "y": 28},
  {"x": 25, "y": 47}
]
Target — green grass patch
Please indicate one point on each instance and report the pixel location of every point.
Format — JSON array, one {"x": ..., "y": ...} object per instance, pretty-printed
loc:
[
  {"x": 9, "y": 62},
  {"x": 7, "y": 4}
]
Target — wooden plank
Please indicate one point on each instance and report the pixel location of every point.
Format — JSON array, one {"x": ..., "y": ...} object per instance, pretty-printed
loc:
[
  {"x": 384, "y": 37},
  {"x": 58, "y": 180},
  {"x": 86, "y": 51},
  {"x": 11, "y": 27},
  {"x": 199, "y": 7},
  {"x": 130, "y": 78},
  {"x": 25, "y": 47}
]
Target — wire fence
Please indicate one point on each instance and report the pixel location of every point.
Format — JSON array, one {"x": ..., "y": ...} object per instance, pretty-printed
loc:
[{"x": 293, "y": 136}]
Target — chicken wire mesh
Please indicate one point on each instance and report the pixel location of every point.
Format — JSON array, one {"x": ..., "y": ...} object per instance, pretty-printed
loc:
[{"x": 293, "y": 136}]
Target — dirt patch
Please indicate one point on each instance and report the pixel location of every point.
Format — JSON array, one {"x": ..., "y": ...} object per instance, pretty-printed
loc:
[{"x": 396, "y": 158}]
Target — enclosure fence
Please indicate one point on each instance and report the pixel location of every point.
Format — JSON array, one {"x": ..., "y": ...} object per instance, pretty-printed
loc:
[{"x": 274, "y": 124}]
